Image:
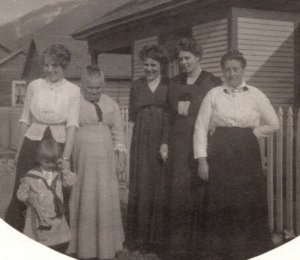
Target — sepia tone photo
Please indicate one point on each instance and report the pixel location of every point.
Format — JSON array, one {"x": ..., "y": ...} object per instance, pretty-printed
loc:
[{"x": 149, "y": 129}]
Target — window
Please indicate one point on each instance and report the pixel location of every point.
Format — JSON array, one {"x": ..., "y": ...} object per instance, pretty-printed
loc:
[{"x": 18, "y": 92}]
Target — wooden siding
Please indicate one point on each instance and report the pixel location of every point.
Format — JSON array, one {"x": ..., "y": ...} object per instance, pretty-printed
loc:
[
  {"x": 137, "y": 46},
  {"x": 268, "y": 46},
  {"x": 118, "y": 90},
  {"x": 9, "y": 71},
  {"x": 213, "y": 38}
]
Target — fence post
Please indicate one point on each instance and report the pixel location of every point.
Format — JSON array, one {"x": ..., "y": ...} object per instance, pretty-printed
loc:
[
  {"x": 279, "y": 190},
  {"x": 270, "y": 178},
  {"x": 298, "y": 175},
  {"x": 289, "y": 171}
]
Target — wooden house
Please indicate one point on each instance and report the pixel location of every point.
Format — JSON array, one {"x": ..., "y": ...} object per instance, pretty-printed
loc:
[
  {"x": 265, "y": 31},
  {"x": 11, "y": 67},
  {"x": 116, "y": 67}
]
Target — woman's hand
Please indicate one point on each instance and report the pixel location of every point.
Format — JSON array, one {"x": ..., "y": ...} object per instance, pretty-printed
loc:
[
  {"x": 63, "y": 164},
  {"x": 203, "y": 169},
  {"x": 163, "y": 151},
  {"x": 16, "y": 157}
]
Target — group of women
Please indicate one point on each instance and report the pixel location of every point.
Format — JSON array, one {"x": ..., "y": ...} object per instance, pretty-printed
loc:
[{"x": 196, "y": 188}]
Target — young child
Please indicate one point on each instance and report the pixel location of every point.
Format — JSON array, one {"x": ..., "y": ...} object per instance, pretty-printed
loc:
[{"x": 41, "y": 191}]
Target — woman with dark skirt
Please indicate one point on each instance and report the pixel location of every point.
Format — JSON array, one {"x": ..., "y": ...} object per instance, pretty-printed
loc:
[
  {"x": 147, "y": 185},
  {"x": 231, "y": 119},
  {"x": 187, "y": 194},
  {"x": 51, "y": 111}
]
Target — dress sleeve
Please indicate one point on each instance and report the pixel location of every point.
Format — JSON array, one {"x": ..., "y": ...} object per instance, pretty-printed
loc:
[
  {"x": 202, "y": 127},
  {"x": 166, "y": 121},
  {"x": 23, "y": 192},
  {"x": 117, "y": 130},
  {"x": 132, "y": 107},
  {"x": 269, "y": 120},
  {"x": 26, "y": 116},
  {"x": 73, "y": 113}
]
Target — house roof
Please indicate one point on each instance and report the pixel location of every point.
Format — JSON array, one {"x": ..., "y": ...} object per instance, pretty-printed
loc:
[
  {"x": 138, "y": 9},
  {"x": 11, "y": 56},
  {"x": 127, "y": 11}
]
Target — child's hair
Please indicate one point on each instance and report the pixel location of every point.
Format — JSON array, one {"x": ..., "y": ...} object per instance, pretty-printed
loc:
[{"x": 49, "y": 150}]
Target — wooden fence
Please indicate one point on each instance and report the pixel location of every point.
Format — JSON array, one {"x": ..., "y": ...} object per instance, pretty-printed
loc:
[{"x": 281, "y": 160}]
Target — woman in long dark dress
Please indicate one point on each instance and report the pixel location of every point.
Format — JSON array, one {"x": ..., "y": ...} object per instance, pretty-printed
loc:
[
  {"x": 185, "y": 96},
  {"x": 147, "y": 110},
  {"x": 238, "y": 114}
]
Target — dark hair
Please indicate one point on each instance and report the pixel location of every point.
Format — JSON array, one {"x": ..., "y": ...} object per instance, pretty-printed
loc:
[
  {"x": 155, "y": 52},
  {"x": 58, "y": 53},
  {"x": 49, "y": 150},
  {"x": 190, "y": 45},
  {"x": 233, "y": 55}
]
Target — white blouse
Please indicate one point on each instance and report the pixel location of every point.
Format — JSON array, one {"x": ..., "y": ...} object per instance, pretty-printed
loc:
[
  {"x": 245, "y": 107},
  {"x": 50, "y": 104}
]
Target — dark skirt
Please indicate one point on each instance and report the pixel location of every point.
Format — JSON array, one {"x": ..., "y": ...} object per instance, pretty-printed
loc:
[
  {"x": 237, "y": 221},
  {"x": 146, "y": 211},
  {"x": 187, "y": 200},
  {"x": 15, "y": 213}
]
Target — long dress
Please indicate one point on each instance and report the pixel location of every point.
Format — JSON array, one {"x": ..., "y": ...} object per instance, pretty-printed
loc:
[
  {"x": 186, "y": 210},
  {"x": 95, "y": 213},
  {"x": 237, "y": 221},
  {"x": 147, "y": 186}
]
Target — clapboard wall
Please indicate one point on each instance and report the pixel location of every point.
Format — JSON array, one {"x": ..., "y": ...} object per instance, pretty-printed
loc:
[
  {"x": 268, "y": 46},
  {"x": 213, "y": 37},
  {"x": 137, "y": 64}
]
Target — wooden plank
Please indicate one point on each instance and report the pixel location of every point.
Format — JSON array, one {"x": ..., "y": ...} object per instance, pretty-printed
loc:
[
  {"x": 271, "y": 74},
  {"x": 289, "y": 172},
  {"x": 206, "y": 30},
  {"x": 206, "y": 39},
  {"x": 267, "y": 53},
  {"x": 272, "y": 44},
  {"x": 274, "y": 28},
  {"x": 279, "y": 173},
  {"x": 280, "y": 49},
  {"x": 298, "y": 175},
  {"x": 264, "y": 32},
  {"x": 264, "y": 22},
  {"x": 251, "y": 67},
  {"x": 212, "y": 24},
  {"x": 268, "y": 64},
  {"x": 262, "y": 38},
  {"x": 270, "y": 182}
]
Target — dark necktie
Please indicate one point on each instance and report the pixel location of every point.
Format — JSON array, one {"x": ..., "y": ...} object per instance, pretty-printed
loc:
[{"x": 98, "y": 110}]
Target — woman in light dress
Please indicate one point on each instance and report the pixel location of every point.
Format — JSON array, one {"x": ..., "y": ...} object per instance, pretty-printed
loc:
[{"x": 95, "y": 215}]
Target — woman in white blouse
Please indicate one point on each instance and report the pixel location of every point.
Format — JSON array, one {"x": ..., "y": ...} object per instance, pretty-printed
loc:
[
  {"x": 231, "y": 119},
  {"x": 51, "y": 111}
]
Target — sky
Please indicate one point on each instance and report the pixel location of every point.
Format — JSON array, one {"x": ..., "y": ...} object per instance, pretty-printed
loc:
[{"x": 11, "y": 9}]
